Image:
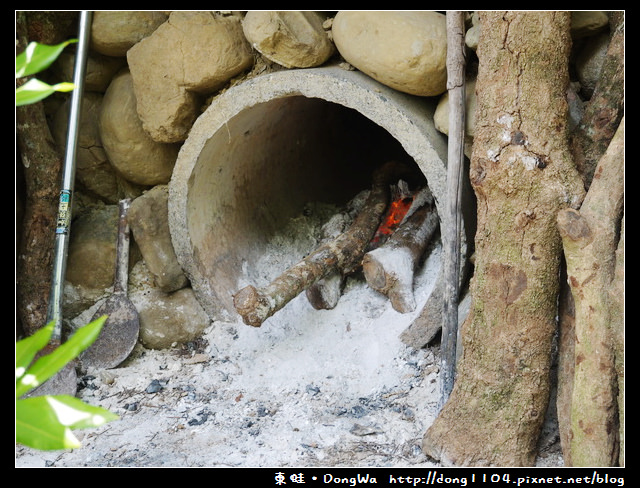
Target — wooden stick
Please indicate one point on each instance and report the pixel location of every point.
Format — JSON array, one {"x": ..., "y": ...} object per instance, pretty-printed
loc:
[
  {"x": 325, "y": 293},
  {"x": 451, "y": 217},
  {"x": 390, "y": 268},
  {"x": 343, "y": 253}
]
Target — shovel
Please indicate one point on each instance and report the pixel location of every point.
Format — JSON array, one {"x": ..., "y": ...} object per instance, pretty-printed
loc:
[
  {"x": 65, "y": 381},
  {"x": 119, "y": 333}
]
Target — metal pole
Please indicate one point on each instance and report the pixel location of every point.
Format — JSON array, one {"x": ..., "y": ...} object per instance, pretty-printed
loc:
[{"x": 54, "y": 311}]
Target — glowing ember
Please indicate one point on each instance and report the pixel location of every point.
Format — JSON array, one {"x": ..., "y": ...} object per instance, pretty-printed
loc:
[{"x": 396, "y": 212}]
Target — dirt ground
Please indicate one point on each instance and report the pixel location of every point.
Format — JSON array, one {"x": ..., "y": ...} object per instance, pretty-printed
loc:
[
  {"x": 291, "y": 393},
  {"x": 308, "y": 388}
]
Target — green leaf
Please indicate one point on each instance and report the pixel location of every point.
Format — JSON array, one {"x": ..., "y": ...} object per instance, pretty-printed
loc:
[
  {"x": 37, "y": 57},
  {"x": 46, "y": 366},
  {"x": 45, "y": 422},
  {"x": 26, "y": 349},
  {"x": 37, "y": 426},
  {"x": 35, "y": 90}
]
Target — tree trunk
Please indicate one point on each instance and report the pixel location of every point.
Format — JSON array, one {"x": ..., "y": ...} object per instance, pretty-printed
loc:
[
  {"x": 41, "y": 163},
  {"x": 603, "y": 111},
  {"x": 590, "y": 239},
  {"x": 588, "y": 144},
  {"x": 522, "y": 174}
]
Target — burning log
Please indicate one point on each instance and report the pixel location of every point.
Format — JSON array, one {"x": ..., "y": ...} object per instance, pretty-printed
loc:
[
  {"x": 325, "y": 293},
  {"x": 401, "y": 202},
  {"x": 390, "y": 268},
  {"x": 343, "y": 254}
]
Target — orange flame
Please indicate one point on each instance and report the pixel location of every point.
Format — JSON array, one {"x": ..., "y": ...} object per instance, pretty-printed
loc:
[{"x": 396, "y": 212}]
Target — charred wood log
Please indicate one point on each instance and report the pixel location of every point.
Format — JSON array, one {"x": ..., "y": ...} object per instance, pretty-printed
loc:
[
  {"x": 401, "y": 202},
  {"x": 325, "y": 293},
  {"x": 344, "y": 253},
  {"x": 390, "y": 268}
]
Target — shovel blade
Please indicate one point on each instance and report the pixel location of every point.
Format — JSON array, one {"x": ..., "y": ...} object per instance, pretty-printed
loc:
[
  {"x": 118, "y": 337},
  {"x": 64, "y": 382}
]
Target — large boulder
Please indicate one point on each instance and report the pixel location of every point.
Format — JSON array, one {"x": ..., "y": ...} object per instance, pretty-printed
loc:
[
  {"x": 168, "y": 318},
  {"x": 131, "y": 151},
  {"x": 94, "y": 174},
  {"x": 92, "y": 248},
  {"x": 99, "y": 71},
  {"x": 292, "y": 39},
  {"x": 406, "y": 51},
  {"x": 114, "y": 32},
  {"x": 206, "y": 51},
  {"x": 585, "y": 23}
]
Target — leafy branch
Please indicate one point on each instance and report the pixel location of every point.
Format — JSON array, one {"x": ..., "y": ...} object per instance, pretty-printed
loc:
[
  {"x": 46, "y": 422},
  {"x": 35, "y": 58}
]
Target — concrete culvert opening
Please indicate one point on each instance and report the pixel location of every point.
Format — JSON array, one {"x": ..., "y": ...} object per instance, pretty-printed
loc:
[{"x": 281, "y": 146}]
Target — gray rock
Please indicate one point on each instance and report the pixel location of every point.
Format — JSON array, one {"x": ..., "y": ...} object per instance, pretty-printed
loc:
[
  {"x": 92, "y": 248},
  {"x": 94, "y": 173},
  {"x": 100, "y": 69},
  {"x": 168, "y": 318},
  {"x": 588, "y": 22},
  {"x": 441, "y": 116},
  {"x": 149, "y": 224},
  {"x": 589, "y": 62}
]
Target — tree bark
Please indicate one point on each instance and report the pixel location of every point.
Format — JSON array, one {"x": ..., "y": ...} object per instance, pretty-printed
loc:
[
  {"x": 616, "y": 310},
  {"x": 603, "y": 111},
  {"x": 522, "y": 174},
  {"x": 590, "y": 240},
  {"x": 41, "y": 162}
]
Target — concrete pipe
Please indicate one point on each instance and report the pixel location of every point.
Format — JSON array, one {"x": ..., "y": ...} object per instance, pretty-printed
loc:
[{"x": 267, "y": 146}]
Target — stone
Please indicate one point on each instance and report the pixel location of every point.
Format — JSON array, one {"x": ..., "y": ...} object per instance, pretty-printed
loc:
[
  {"x": 168, "y": 318},
  {"x": 100, "y": 69},
  {"x": 292, "y": 39},
  {"x": 92, "y": 248},
  {"x": 135, "y": 156},
  {"x": 589, "y": 62},
  {"x": 148, "y": 220},
  {"x": 208, "y": 50},
  {"x": 588, "y": 22},
  {"x": 404, "y": 50},
  {"x": 441, "y": 115},
  {"x": 472, "y": 36},
  {"x": 114, "y": 32},
  {"x": 94, "y": 173}
]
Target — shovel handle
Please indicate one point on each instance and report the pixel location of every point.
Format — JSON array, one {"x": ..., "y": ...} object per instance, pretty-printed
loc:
[{"x": 122, "y": 249}]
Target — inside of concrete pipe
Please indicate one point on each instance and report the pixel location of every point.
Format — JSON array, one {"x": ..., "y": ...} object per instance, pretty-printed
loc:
[
  {"x": 268, "y": 147},
  {"x": 265, "y": 166}
]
